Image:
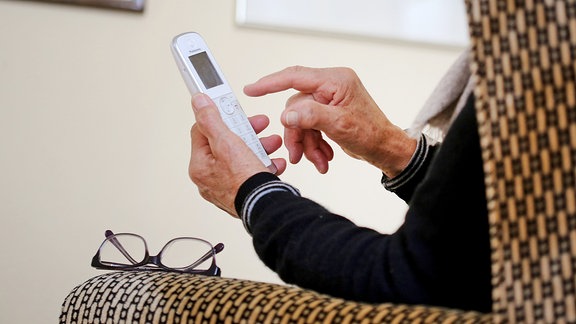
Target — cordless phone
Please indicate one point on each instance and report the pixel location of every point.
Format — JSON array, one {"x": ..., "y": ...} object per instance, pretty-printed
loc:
[{"x": 201, "y": 74}]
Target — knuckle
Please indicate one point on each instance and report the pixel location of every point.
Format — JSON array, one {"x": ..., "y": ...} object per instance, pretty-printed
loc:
[
  {"x": 294, "y": 99},
  {"x": 342, "y": 125},
  {"x": 348, "y": 73},
  {"x": 204, "y": 194},
  {"x": 295, "y": 68},
  {"x": 193, "y": 173},
  {"x": 203, "y": 116}
]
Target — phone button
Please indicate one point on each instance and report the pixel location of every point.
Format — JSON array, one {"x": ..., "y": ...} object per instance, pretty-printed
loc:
[{"x": 228, "y": 105}]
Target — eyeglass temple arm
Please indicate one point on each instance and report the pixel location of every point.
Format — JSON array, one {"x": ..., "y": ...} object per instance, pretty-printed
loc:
[
  {"x": 217, "y": 248},
  {"x": 112, "y": 238}
]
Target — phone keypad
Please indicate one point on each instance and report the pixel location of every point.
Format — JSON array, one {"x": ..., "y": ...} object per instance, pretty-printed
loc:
[{"x": 237, "y": 121}]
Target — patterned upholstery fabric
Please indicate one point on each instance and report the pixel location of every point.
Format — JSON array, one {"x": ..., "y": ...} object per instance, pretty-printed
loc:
[
  {"x": 523, "y": 62},
  {"x": 159, "y": 297}
]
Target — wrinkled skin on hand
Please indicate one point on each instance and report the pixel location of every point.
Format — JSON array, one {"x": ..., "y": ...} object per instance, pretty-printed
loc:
[
  {"x": 334, "y": 102},
  {"x": 331, "y": 102},
  {"x": 220, "y": 161}
]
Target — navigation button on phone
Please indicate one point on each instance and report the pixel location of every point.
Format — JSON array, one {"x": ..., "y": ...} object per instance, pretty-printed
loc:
[{"x": 228, "y": 105}]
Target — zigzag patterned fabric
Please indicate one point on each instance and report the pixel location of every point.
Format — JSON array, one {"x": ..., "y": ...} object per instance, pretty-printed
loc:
[
  {"x": 524, "y": 54},
  {"x": 523, "y": 64},
  {"x": 160, "y": 297}
]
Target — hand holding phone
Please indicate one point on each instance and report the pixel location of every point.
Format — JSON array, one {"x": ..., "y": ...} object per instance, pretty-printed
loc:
[{"x": 201, "y": 74}]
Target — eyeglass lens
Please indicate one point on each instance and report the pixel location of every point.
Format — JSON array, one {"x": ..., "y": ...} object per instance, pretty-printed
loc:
[
  {"x": 123, "y": 249},
  {"x": 185, "y": 253},
  {"x": 178, "y": 254}
]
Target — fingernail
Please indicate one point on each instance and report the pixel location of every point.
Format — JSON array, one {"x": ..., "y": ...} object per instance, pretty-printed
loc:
[
  {"x": 292, "y": 118},
  {"x": 200, "y": 101}
]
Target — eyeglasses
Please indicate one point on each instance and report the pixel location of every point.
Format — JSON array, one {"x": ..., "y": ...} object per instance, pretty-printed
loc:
[{"x": 127, "y": 251}]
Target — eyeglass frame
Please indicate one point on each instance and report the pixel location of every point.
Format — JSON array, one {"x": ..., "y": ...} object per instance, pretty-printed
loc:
[{"x": 155, "y": 260}]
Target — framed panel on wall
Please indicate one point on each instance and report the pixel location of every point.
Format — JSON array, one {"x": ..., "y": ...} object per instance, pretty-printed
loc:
[
  {"x": 439, "y": 22},
  {"x": 133, "y": 5}
]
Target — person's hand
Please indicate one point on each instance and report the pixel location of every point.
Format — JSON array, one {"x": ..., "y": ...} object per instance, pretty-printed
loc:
[
  {"x": 334, "y": 102},
  {"x": 220, "y": 161}
]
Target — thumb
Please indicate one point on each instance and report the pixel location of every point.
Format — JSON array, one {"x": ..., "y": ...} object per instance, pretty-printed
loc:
[
  {"x": 309, "y": 115},
  {"x": 208, "y": 116}
]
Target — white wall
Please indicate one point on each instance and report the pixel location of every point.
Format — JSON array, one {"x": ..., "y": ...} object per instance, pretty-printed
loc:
[{"x": 94, "y": 134}]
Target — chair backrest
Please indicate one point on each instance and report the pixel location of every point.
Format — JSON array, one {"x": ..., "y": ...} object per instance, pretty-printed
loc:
[{"x": 524, "y": 63}]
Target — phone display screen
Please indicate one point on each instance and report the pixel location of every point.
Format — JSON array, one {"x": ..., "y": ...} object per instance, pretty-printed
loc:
[{"x": 206, "y": 70}]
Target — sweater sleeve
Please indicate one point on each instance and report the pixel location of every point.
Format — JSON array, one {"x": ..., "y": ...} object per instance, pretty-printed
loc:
[
  {"x": 404, "y": 184},
  {"x": 439, "y": 256}
]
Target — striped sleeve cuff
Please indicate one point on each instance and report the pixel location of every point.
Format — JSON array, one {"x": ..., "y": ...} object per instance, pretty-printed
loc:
[
  {"x": 254, "y": 190},
  {"x": 416, "y": 162}
]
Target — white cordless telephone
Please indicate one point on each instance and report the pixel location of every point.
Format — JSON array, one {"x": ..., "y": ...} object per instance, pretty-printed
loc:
[{"x": 201, "y": 74}]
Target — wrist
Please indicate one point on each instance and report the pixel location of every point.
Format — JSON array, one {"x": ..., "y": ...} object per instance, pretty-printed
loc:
[
  {"x": 397, "y": 149},
  {"x": 415, "y": 165}
]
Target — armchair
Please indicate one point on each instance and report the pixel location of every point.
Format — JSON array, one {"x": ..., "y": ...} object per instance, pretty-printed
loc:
[{"x": 524, "y": 64}]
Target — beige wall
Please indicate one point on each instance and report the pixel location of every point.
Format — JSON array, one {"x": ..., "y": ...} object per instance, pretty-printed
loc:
[{"x": 94, "y": 123}]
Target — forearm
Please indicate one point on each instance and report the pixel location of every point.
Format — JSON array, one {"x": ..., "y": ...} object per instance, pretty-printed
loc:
[{"x": 313, "y": 248}]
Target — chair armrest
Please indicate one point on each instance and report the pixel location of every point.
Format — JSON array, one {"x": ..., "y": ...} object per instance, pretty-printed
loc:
[{"x": 162, "y": 297}]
